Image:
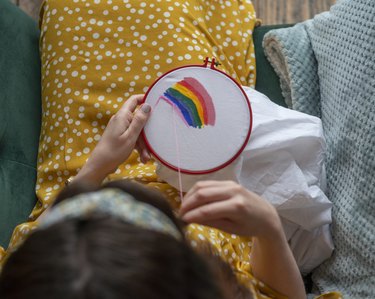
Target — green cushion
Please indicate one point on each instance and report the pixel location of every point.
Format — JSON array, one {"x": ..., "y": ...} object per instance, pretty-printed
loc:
[
  {"x": 20, "y": 115},
  {"x": 267, "y": 81}
]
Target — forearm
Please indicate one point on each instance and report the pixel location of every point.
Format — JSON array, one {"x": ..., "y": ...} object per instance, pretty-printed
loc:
[
  {"x": 92, "y": 173},
  {"x": 273, "y": 263}
]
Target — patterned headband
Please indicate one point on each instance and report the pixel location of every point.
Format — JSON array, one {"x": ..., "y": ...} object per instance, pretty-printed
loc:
[{"x": 113, "y": 202}]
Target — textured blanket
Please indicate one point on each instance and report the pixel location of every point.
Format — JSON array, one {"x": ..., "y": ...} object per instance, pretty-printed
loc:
[
  {"x": 290, "y": 53},
  {"x": 336, "y": 53}
]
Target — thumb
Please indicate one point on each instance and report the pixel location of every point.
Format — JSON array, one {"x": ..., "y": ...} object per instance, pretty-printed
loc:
[{"x": 139, "y": 121}]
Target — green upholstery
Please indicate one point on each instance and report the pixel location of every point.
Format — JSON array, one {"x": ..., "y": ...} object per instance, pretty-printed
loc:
[
  {"x": 20, "y": 111},
  {"x": 267, "y": 80},
  {"x": 20, "y": 116}
]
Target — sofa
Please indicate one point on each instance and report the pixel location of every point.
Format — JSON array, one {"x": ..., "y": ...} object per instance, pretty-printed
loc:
[{"x": 20, "y": 122}]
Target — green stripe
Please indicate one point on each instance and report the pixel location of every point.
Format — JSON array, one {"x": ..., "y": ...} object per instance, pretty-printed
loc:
[{"x": 189, "y": 104}]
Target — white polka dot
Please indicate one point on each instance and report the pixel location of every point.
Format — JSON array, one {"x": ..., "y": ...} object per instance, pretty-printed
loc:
[{"x": 200, "y": 236}]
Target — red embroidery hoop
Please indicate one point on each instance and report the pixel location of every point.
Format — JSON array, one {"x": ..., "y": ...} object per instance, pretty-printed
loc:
[{"x": 211, "y": 66}]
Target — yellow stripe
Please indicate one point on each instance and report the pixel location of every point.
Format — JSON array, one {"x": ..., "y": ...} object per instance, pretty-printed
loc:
[{"x": 188, "y": 93}]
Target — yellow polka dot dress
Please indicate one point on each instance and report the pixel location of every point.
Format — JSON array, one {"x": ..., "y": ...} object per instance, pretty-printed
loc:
[{"x": 97, "y": 53}]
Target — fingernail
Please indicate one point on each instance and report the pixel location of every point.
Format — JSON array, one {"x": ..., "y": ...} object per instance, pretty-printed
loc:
[{"x": 146, "y": 108}]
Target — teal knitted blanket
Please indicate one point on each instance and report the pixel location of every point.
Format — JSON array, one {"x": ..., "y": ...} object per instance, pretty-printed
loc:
[
  {"x": 290, "y": 53},
  {"x": 327, "y": 68}
]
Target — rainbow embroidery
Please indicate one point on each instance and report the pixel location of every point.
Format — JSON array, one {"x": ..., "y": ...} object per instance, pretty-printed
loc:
[{"x": 192, "y": 102}]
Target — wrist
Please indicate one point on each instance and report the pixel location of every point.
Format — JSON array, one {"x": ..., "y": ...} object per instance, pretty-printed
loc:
[
  {"x": 92, "y": 174},
  {"x": 273, "y": 229}
]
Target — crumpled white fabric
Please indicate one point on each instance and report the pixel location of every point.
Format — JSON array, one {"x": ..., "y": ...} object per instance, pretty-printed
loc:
[{"x": 284, "y": 163}]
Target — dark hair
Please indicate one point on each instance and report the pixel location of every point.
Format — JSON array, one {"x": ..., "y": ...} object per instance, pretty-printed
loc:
[{"x": 103, "y": 257}]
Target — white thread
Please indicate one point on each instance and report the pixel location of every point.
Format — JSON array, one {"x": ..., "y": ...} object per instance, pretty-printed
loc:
[{"x": 177, "y": 152}]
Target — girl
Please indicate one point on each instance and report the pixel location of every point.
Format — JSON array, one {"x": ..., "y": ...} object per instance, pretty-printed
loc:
[{"x": 103, "y": 253}]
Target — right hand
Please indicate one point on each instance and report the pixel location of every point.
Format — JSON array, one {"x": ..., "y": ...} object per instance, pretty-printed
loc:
[
  {"x": 232, "y": 208},
  {"x": 228, "y": 206},
  {"x": 120, "y": 137}
]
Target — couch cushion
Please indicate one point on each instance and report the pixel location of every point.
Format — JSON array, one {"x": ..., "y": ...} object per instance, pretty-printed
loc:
[{"x": 20, "y": 112}]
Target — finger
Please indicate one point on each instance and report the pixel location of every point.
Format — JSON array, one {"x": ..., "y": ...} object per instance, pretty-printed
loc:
[
  {"x": 120, "y": 122},
  {"x": 139, "y": 121},
  {"x": 132, "y": 103},
  {"x": 218, "y": 190},
  {"x": 146, "y": 153},
  {"x": 210, "y": 183},
  {"x": 124, "y": 116},
  {"x": 145, "y": 156},
  {"x": 204, "y": 196},
  {"x": 202, "y": 184},
  {"x": 210, "y": 212},
  {"x": 143, "y": 152}
]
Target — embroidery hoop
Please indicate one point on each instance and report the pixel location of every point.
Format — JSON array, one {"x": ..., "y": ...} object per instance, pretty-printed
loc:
[{"x": 154, "y": 136}]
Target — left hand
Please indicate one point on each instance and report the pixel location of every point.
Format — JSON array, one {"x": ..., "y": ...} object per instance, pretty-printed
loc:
[{"x": 118, "y": 141}]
